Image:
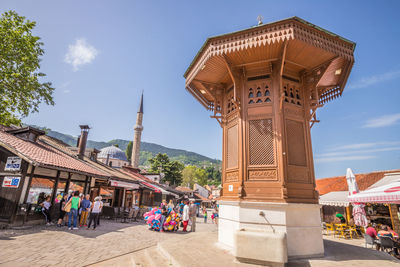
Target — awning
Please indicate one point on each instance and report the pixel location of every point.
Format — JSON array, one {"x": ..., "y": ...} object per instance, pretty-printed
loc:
[
  {"x": 150, "y": 187},
  {"x": 336, "y": 198},
  {"x": 389, "y": 193},
  {"x": 124, "y": 184}
]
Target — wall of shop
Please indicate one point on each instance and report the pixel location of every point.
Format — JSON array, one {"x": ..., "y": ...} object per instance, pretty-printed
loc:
[
  {"x": 394, "y": 211},
  {"x": 10, "y": 196}
]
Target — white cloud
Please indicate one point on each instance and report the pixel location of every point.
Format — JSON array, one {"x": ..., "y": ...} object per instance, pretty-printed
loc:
[
  {"x": 383, "y": 121},
  {"x": 360, "y": 152},
  {"x": 80, "y": 53},
  {"x": 346, "y": 158},
  {"x": 374, "y": 79},
  {"x": 365, "y": 145}
]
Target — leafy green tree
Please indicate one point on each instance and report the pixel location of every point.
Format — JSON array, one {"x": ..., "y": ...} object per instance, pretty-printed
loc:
[
  {"x": 128, "y": 150},
  {"x": 171, "y": 169},
  {"x": 21, "y": 86},
  {"x": 144, "y": 157},
  {"x": 192, "y": 174}
]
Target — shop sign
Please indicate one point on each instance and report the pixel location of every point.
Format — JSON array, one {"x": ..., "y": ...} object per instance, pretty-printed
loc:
[
  {"x": 123, "y": 184},
  {"x": 11, "y": 182},
  {"x": 13, "y": 164}
]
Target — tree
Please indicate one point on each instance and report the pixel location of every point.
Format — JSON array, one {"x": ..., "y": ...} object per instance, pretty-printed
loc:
[
  {"x": 21, "y": 86},
  {"x": 171, "y": 169},
  {"x": 193, "y": 175},
  {"x": 128, "y": 150}
]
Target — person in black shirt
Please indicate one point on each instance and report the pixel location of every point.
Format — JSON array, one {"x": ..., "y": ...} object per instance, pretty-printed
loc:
[{"x": 62, "y": 211}]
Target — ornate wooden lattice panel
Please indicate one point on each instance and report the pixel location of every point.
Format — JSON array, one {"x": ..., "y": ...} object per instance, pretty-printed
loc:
[
  {"x": 259, "y": 93},
  {"x": 230, "y": 105},
  {"x": 296, "y": 143},
  {"x": 262, "y": 174},
  {"x": 232, "y": 147},
  {"x": 232, "y": 176},
  {"x": 261, "y": 142},
  {"x": 292, "y": 94}
]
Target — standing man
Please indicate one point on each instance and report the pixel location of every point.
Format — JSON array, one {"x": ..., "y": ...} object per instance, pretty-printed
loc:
[
  {"x": 193, "y": 213},
  {"x": 85, "y": 206},
  {"x": 185, "y": 215}
]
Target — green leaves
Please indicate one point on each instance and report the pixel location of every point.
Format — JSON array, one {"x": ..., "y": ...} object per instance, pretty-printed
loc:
[
  {"x": 171, "y": 169},
  {"x": 194, "y": 175},
  {"x": 21, "y": 86}
]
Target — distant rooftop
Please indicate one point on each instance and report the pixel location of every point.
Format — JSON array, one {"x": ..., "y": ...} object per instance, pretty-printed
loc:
[{"x": 114, "y": 152}]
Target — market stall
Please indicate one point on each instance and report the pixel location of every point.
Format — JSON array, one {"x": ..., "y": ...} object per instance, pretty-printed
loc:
[{"x": 382, "y": 203}]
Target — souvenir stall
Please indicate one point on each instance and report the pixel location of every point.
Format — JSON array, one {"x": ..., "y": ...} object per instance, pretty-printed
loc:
[{"x": 382, "y": 203}]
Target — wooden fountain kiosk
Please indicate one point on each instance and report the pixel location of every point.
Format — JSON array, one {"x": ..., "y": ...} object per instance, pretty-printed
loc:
[{"x": 264, "y": 85}]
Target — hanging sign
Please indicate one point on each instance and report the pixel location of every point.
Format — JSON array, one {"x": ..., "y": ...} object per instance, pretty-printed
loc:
[
  {"x": 13, "y": 164},
  {"x": 11, "y": 182},
  {"x": 230, "y": 188}
]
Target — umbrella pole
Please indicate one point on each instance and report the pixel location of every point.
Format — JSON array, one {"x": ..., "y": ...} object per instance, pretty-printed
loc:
[
  {"x": 348, "y": 214},
  {"x": 391, "y": 217}
]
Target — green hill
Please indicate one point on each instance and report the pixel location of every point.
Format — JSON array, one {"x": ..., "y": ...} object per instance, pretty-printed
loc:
[{"x": 148, "y": 150}]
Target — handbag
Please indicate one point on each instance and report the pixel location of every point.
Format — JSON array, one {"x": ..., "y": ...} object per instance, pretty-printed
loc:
[{"x": 67, "y": 207}]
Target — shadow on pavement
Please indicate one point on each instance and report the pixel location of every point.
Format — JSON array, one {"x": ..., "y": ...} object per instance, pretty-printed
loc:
[
  {"x": 106, "y": 226},
  {"x": 339, "y": 251}
]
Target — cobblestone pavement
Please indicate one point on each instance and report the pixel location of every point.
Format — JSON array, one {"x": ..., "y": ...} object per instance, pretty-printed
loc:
[{"x": 50, "y": 245}]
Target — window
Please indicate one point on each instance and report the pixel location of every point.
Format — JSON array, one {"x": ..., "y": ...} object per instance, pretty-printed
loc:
[
  {"x": 60, "y": 190},
  {"x": 77, "y": 186},
  {"x": 40, "y": 188},
  {"x": 262, "y": 95},
  {"x": 292, "y": 94}
]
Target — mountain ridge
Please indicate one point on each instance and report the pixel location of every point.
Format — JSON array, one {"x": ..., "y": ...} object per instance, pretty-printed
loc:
[{"x": 147, "y": 150}]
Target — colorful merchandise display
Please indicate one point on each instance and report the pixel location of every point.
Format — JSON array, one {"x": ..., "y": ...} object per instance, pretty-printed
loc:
[{"x": 154, "y": 220}]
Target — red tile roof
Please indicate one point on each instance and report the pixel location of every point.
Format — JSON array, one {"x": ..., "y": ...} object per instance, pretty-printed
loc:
[
  {"x": 65, "y": 148},
  {"x": 339, "y": 183},
  {"x": 183, "y": 189},
  {"x": 202, "y": 198},
  {"x": 39, "y": 153}
]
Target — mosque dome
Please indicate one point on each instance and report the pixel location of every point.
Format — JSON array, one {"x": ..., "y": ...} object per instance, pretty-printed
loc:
[{"x": 114, "y": 152}]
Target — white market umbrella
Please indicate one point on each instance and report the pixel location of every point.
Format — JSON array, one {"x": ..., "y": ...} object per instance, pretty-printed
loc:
[
  {"x": 351, "y": 182},
  {"x": 389, "y": 193},
  {"x": 359, "y": 215}
]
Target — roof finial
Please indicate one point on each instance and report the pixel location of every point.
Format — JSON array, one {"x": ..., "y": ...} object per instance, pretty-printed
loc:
[
  {"x": 259, "y": 19},
  {"x": 141, "y": 104}
]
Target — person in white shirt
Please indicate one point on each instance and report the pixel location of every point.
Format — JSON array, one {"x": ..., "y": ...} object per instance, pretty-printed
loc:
[
  {"x": 46, "y": 209},
  {"x": 185, "y": 215},
  {"x": 95, "y": 211}
]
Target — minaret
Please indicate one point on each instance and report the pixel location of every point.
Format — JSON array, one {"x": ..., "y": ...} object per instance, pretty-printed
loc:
[{"x": 137, "y": 137}]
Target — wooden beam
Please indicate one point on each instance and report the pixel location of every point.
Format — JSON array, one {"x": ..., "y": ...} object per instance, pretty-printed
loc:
[
  {"x": 257, "y": 62},
  {"x": 296, "y": 64},
  {"x": 219, "y": 85},
  {"x": 231, "y": 74},
  {"x": 282, "y": 58}
]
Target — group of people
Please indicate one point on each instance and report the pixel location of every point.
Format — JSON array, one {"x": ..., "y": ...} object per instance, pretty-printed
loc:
[
  {"x": 74, "y": 206},
  {"x": 187, "y": 211},
  {"x": 384, "y": 231}
]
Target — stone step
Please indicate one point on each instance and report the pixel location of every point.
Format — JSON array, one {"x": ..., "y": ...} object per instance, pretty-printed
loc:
[
  {"x": 156, "y": 257},
  {"x": 200, "y": 250},
  {"x": 140, "y": 259},
  {"x": 120, "y": 261}
]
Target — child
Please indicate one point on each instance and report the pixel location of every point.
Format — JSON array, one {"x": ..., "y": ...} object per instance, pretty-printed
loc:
[
  {"x": 205, "y": 215},
  {"x": 46, "y": 209}
]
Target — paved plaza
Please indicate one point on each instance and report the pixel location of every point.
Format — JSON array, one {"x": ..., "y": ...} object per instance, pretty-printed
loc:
[
  {"x": 130, "y": 244},
  {"x": 45, "y": 246}
]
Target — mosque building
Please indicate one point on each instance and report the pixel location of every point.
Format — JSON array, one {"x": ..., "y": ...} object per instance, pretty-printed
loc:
[{"x": 113, "y": 156}]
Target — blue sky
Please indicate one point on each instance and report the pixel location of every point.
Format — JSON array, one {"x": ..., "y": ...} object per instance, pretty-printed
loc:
[{"x": 100, "y": 55}]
